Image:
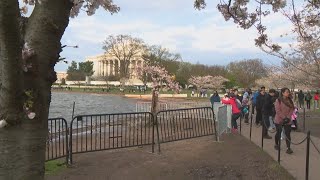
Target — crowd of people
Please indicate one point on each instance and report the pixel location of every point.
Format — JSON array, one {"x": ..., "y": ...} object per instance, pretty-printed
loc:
[{"x": 273, "y": 110}]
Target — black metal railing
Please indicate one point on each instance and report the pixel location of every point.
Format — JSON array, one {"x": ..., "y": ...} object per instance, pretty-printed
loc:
[
  {"x": 188, "y": 123},
  {"x": 57, "y": 142},
  {"x": 111, "y": 131},
  {"x": 96, "y": 132}
]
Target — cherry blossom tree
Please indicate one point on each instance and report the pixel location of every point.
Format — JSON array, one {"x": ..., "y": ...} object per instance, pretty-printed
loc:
[
  {"x": 29, "y": 49},
  {"x": 158, "y": 76},
  {"x": 287, "y": 76},
  {"x": 304, "y": 31},
  {"x": 211, "y": 82}
]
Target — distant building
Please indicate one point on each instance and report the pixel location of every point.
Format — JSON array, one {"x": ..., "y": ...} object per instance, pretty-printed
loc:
[
  {"x": 106, "y": 65},
  {"x": 61, "y": 75}
]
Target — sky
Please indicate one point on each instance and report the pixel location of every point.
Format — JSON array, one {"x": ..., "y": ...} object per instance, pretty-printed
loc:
[{"x": 198, "y": 36}]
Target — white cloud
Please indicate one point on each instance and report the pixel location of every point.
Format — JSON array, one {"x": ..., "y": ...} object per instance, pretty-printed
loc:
[
  {"x": 204, "y": 37},
  {"x": 202, "y": 32}
]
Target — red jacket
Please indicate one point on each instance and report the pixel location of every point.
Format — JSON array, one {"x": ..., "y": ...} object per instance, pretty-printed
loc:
[
  {"x": 316, "y": 97},
  {"x": 232, "y": 101}
]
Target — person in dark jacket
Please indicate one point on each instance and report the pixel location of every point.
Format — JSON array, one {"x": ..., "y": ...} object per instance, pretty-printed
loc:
[
  {"x": 236, "y": 92},
  {"x": 301, "y": 99},
  {"x": 267, "y": 112},
  {"x": 308, "y": 99},
  {"x": 259, "y": 105},
  {"x": 215, "y": 98}
]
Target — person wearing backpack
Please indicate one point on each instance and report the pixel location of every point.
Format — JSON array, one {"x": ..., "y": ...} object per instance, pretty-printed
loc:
[
  {"x": 236, "y": 113},
  {"x": 308, "y": 99}
]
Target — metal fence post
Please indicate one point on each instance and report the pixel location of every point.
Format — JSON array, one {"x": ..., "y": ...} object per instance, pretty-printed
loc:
[
  {"x": 251, "y": 124},
  {"x": 70, "y": 148},
  {"x": 304, "y": 119},
  {"x": 279, "y": 143},
  {"x": 240, "y": 122},
  {"x": 67, "y": 144},
  {"x": 153, "y": 124},
  {"x": 158, "y": 136},
  {"x": 307, "y": 155},
  {"x": 262, "y": 135},
  {"x": 214, "y": 124}
]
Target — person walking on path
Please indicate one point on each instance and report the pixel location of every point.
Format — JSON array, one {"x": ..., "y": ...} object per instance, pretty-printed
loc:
[
  {"x": 308, "y": 99},
  {"x": 316, "y": 100},
  {"x": 259, "y": 105},
  {"x": 236, "y": 113},
  {"x": 267, "y": 113},
  {"x": 254, "y": 100},
  {"x": 301, "y": 99},
  {"x": 284, "y": 107}
]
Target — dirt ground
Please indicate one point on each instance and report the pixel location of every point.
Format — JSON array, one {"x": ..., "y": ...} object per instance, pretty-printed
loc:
[{"x": 199, "y": 158}]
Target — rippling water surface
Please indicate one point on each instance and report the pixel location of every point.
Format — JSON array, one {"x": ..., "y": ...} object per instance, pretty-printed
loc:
[{"x": 61, "y": 104}]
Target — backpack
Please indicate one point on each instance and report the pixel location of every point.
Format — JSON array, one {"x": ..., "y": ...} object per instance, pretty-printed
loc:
[
  {"x": 245, "y": 110},
  {"x": 239, "y": 105}
]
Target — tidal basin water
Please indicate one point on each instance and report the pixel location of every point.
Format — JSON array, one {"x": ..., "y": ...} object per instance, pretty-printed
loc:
[{"x": 61, "y": 104}]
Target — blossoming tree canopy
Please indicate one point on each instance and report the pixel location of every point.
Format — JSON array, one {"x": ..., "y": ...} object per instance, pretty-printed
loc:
[
  {"x": 90, "y": 6},
  {"x": 212, "y": 82},
  {"x": 157, "y": 75},
  {"x": 301, "y": 40}
]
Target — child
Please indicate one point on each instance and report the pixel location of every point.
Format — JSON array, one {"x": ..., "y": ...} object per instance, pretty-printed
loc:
[{"x": 245, "y": 107}]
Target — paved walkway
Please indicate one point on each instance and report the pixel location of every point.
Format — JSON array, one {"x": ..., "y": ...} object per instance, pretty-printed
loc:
[{"x": 294, "y": 163}]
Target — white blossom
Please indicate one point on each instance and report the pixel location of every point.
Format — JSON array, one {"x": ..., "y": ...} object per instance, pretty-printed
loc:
[
  {"x": 3, "y": 123},
  {"x": 31, "y": 115},
  {"x": 215, "y": 82}
]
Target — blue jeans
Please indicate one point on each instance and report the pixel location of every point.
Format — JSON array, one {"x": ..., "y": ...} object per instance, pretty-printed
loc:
[{"x": 271, "y": 122}]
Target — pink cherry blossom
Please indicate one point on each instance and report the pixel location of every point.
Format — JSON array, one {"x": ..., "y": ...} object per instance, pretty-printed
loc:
[
  {"x": 158, "y": 75},
  {"x": 213, "y": 82}
]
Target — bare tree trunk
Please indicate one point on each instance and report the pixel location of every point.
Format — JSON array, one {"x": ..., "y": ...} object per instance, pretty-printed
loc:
[
  {"x": 22, "y": 142},
  {"x": 154, "y": 103}
]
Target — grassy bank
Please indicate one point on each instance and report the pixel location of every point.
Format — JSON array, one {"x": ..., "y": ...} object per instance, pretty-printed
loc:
[{"x": 54, "y": 167}]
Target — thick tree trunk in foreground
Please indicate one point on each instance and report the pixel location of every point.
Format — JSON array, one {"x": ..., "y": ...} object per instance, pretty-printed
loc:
[{"x": 23, "y": 141}]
